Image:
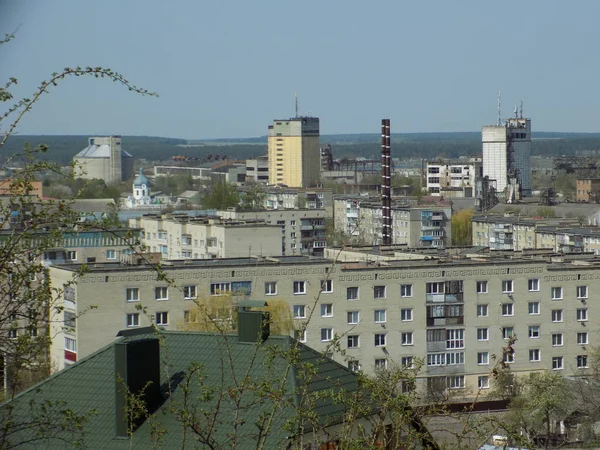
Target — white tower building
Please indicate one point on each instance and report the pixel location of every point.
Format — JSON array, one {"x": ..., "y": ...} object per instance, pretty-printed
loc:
[
  {"x": 141, "y": 189},
  {"x": 507, "y": 154}
]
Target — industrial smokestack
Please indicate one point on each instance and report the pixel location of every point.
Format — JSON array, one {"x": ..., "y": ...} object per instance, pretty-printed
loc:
[{"x": 386, "y": 183}]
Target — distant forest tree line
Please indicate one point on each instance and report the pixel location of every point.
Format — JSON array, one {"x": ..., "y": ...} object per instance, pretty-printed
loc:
[{"x": 61, "y": 149}]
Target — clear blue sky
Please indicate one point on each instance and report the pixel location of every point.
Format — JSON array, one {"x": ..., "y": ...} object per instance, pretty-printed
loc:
[{"x": 227, "y": 68}]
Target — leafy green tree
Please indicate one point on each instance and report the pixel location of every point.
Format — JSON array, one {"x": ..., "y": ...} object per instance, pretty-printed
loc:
[
  {"x": 253, "y": 198},
  {"x": 462, "y": 227},
  {"x": 221, "y": 196}
]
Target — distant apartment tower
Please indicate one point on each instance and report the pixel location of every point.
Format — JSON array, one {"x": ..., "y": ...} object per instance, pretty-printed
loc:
[
  {"x": 294, "y": 152},
  {"x": 507, "y": 154},
  {"x": 454, "y": 177}
]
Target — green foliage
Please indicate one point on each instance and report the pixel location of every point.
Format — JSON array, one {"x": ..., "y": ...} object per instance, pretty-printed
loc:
[
  {"x": 462, "y": 229},
  {"x": 174, "y": 185},
  {"x": 253, "y": 198},
  {"x": 545, "y": 212},
  {"x": 67, "y": 187},
  {"x": 221, "y": 196}
]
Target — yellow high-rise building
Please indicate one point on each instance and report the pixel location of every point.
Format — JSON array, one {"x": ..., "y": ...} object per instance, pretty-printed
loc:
[{"x": 294, "y": 152}]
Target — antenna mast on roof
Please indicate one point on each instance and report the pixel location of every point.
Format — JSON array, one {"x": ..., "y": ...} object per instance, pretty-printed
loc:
[
  {"x": 296, "y": 99},
  {"x": 516, "y": 111},
  {"x": 521, "y": 110},
  {"x": 499, "y": 109}
]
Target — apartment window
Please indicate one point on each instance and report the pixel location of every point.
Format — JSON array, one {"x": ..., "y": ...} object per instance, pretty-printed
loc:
[
  {"x": 327, "y": 310},
  {"x": 326, "y": 334},
  {"x": 271, "y": 288},
  {"x": 299, "y": 287},
  {"x": 507, "y": 332},
  {"x": 557, "y": 293},
  {"x": 70, "y": 344},
  {"x": 132, "y": 294},
  {"x": 456, "y": 382},
  {"x": 299, "y": 311},
  {"x": 557, "y": 339},
  {"x": 482, "y": 310},
  {"x": 111, "y": 254},
  {"x": 507, "y": 309},
  {"x": 483, "y": 382},
  {"x": 326, "y": 286},
  {"x": 300, "y": 335},
  {"x": 379, "y": 316},
  {"x": 406, "y": 290},
  {"x": 483, "y": 358},
  {"x": 190, "y": 316},
  {"x": 582, "y": 338},
  {"x": 482, "y": 287},
  {"x": 582, "y": 292},
  {"x": 379, "y": 340},
  {"x": 161, "y": 293},
  {"x": 534, "y": 355},
  {"x": 379, "y": 292},
  {"x": 12, "y": 334},
  {"x": 133, "y": 320},
  {"x": 161, "y": 318},
  {"x": 407, "y": 362},
  {"x": 455, "y": 338},
  {"x": 381, "y": 363},
  {"x": 507, "y": 286},
  {"x": 189, "y": 292},
  {"x": 482, "y": 334},
  {"x": 353, "y": 317},
  {"x": 557, "y": 362},
  {"x": 354, "y": 365},
  {"x": 534, "y": 331},
  {"x": 533, "y": 285},
  {"x": 557, "y": 315},
  {"x": 533, "y": 307},
  {"x": 72, "y": 255},
  {"x": 406, "y": 314},
  {"x": 406, "y": 338},
  {"x": 353, "y": 341},
  {"x": 582, "y": 361},
  {"x": 352, "y": 293},
  {"x": 508, "y": 357},
  {"x": 582, "y": 314}
]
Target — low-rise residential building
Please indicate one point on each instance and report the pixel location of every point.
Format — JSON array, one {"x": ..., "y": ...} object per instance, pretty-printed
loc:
[
  {"x": 588, "y": 190},
  {"x": 451, "y": 313},
  {"x": 185, "y": 237},
  {"x": 302, "y": 229},
  {"x": 446, "y": 176}
]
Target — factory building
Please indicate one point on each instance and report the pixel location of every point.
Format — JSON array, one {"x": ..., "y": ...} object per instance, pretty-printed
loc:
[{"x": 104, "y": 159}]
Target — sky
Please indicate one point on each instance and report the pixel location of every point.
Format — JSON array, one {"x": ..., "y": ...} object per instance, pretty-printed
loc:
[{"x": 226, "y": 69}]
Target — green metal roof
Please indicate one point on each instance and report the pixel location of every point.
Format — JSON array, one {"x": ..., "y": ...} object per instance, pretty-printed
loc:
[{"x": 222, "y": 366}]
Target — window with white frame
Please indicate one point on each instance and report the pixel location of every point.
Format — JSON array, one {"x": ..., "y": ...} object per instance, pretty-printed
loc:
[
  {"x": 483, "y": 358},
  {"x": 482, "y": 287},
  {"x": 299, "y": 311},
  {"x": 582, "y": 338},
  {"x": 534, "y": 331},
  {"x": 557, "y": 339},
  {"x": 353, "y": 317},
  {"x": 378, "y": 291},
  {"x": 71, "y": 255},
  {"x": 326, "y": 334},
  {"x": 482, "y": 334},
  {"x": 582, "y": 361},
  {"x": 582, "y": 292},
  {"x": 111, "y": 254},
  {"x": 327, "y": 310},
  {"x": 582, "y": 315},
  {"x": 326, "y": 286},
  {"x": 455, "y": 338},
  {"x": 161, "y": 293},
  {"x": 300, "y": 335},
  {"x": 299, "y": 287},
  {"x": 190, "y": 292},
  {"x": 407, "y": 362},
  {"x": 161, "y": 318},
  {"x": 456, "y": 382},
  {"x": 406, "y": 337},
  {"x": 534, "y": 355},
  {"x": 507, "y": 309},
  {"x": 354, "y": 365},
  {"x": 70, "y": 344},
  {"x": 533, "y": 284},
  {"x": 220, "y": 288},
  {"x": 406, "y": 314},
  {"x": 132, "y": 294},
  {"x": 406, "y": 290},
  {"x": 352, "y": 293},
  {"x": 557, "y": 315},
  {"x": 482, "y": 310},
  {"x": 483, "y": 382},
  {"x": 381, "y": 363},
  {"x": 190, "y": 316},
  {"x": 271, "y": 288},
  {"x": 507, "y": 286},
  {"x": 133, "y": 320},
  {"x": 556, "y": 293},
  {"x": 379, "y": 339},
  {"x": 509, "y": 357},
  {"x": 353, "y": 341},
  {"x": 557, "y": 362},
  {"x": 533, "y": 307},
  {"x": 379, "y": 316},
  {"x": 507, "y": 332}
]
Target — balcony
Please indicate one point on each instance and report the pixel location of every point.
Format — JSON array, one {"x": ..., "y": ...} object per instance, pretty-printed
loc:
[
  {"x": 445, "y": 298},
  {"x": 437, "y": 217},
  {"x": 444, "y": 321},
  {"x": 306, "y": 228}
]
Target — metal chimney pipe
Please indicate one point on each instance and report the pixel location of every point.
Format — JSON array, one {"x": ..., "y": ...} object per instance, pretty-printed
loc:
[{"x": 386, "y": 183}]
